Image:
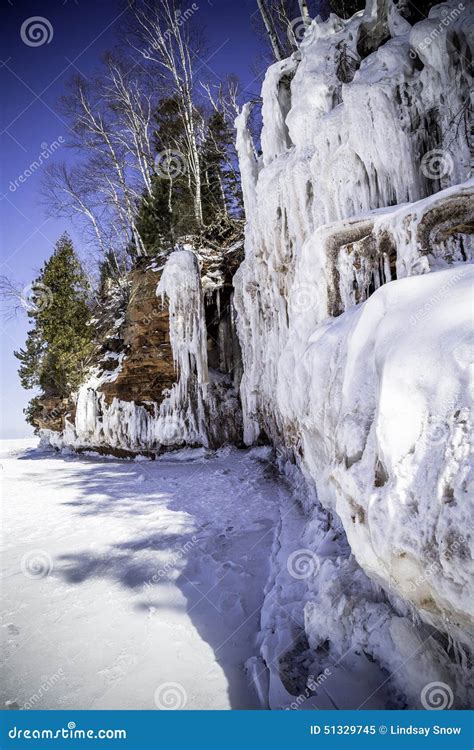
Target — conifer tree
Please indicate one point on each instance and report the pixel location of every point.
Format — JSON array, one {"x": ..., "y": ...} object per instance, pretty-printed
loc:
[
  {"x": 60, "y": 343},
  {"x": 221, "y": 187},
  {"x": 155, "y": 219}
]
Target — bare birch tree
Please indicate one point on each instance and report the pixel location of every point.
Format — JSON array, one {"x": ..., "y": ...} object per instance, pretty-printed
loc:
[
  {"x": 134, "y": 110},
  {"x": 285, "y": 22},
  {"x": 67, "y": 193},
  {"x": 97, "y": 131},
  {"x": 167, "y": 41},
  {"x": 112, "y": 128},
  {"x": 269, "y": 24}
]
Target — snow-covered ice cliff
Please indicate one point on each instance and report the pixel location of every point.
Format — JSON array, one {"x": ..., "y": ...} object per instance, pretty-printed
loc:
[{"x": 364, "y": 385}]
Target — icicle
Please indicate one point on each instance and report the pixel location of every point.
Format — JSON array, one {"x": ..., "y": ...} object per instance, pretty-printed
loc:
[{"x": 181, "y": 283}]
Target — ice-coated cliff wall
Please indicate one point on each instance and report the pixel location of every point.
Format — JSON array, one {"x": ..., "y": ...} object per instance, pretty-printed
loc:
[
  {"x": 172, "y": 381},
  {"x": 354, "y": 307}
]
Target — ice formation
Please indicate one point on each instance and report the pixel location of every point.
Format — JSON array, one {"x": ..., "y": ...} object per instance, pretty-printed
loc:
[
  {"x": 355, "y": 313},
  {"x": 201, "y": 407},
  {"x": 354, "y": 316}
]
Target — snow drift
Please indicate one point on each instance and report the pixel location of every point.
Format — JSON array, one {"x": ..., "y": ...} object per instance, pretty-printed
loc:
[{"x": 385, "y": 430}]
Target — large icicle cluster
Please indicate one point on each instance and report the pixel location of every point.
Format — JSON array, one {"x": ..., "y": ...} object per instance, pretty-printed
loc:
[
  {"x": 180, "y": 283},
  {"x": 200, "y": 408},
  {"x": 364, "y": 179}
]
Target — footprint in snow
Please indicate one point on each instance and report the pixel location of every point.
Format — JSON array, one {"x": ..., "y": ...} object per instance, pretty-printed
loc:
[
  {"x": 229, "y": 565},
  {"x": 229, "y": 601}
]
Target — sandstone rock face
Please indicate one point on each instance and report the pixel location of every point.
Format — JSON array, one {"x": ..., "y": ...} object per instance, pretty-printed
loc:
[
  {"x": 140, "y": 343},
  {"x": 147, "y": 368},
  {"x": 54, "y": 410},
  {"x": 168, "y": 366}
]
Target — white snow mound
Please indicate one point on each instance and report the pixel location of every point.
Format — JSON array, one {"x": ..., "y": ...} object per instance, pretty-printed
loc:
[{"x": 384, "y": 411}]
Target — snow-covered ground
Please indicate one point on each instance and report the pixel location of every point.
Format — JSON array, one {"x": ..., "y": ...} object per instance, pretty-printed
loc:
[
  {"x": 134, "y": 584},
  {"x": 194, "y": 581}
]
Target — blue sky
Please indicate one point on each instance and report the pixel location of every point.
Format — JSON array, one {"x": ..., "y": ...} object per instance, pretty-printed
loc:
[{"x": 32, "y": 80}]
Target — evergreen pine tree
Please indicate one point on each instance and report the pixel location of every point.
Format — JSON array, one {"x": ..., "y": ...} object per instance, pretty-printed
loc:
[
  {"x": 170, "y": 138},
  {"x": 221, "y": 184},
  {"x": 168, "y": 212},
  {"x": 110, "y": 275},
  {"x": 60, "y": 343},
  {"x": 154, "y": 220}
]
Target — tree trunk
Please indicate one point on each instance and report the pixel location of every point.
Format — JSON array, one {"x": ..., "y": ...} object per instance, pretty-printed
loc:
[
  {"x": 270, "y": 27},
  {"x": 304, "y": 11}
]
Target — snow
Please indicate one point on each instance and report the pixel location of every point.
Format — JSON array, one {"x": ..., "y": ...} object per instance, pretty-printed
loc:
[
  {"x": 137, "y": 574},
  {"x": 200, "y": 583},
  {"x": 164, "y": 567},
  {"x": 354, "y": 316},
  {"x": 385, "y": 430}
]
